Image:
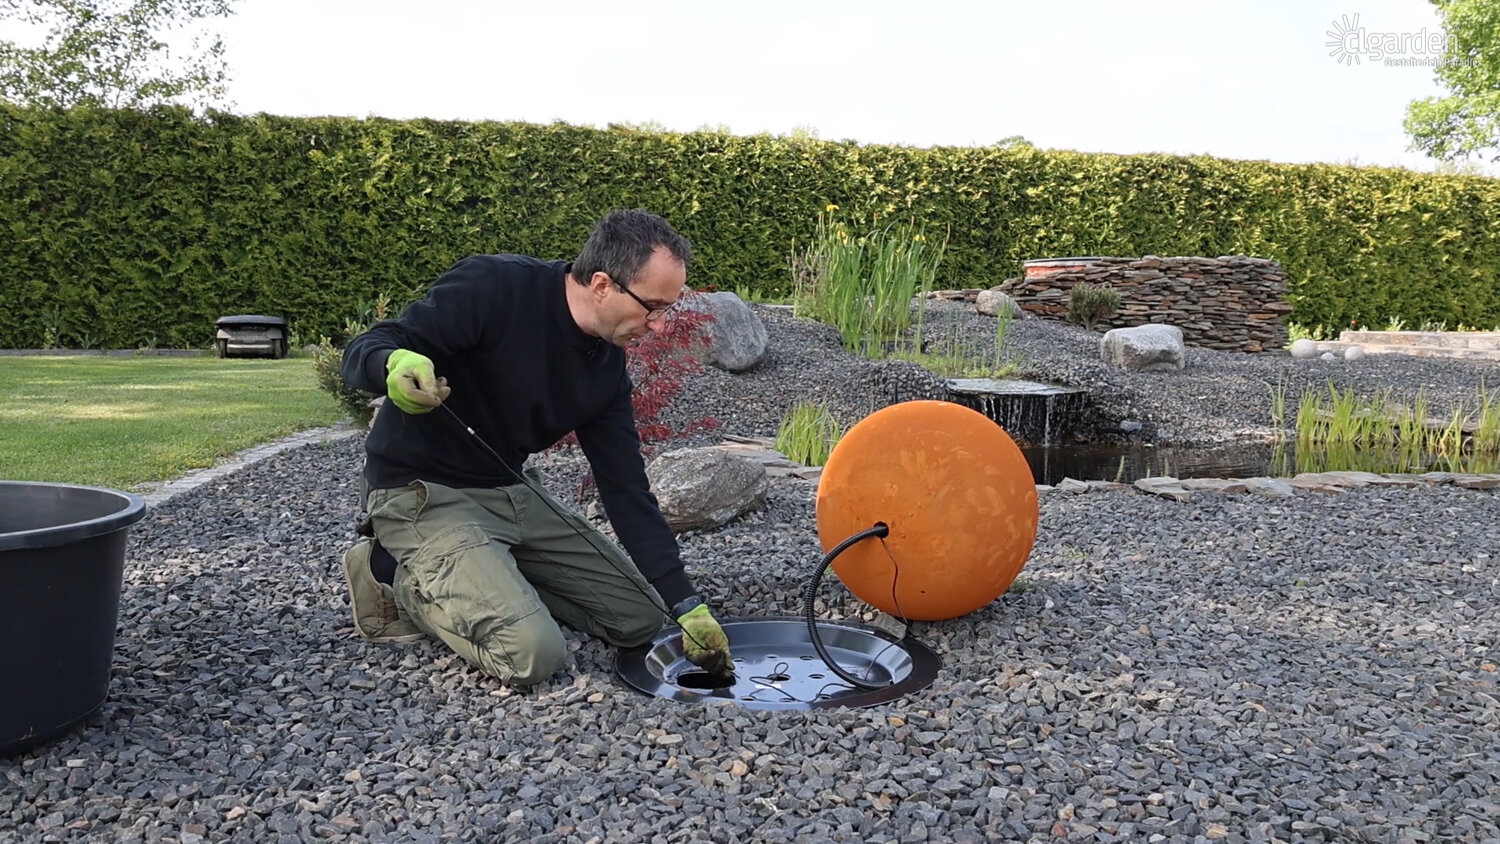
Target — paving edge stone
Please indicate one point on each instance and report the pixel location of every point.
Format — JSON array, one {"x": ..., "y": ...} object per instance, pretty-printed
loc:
[
  {"x": 160, "y": 492},
  {"x": 113, "y": 353},
  {"x": 1308, "y": 482}
]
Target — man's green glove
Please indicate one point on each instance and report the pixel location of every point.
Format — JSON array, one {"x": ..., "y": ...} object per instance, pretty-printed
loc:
[
  {"x": 705, "y": 642},
  {"x": 411, "y": 383}
]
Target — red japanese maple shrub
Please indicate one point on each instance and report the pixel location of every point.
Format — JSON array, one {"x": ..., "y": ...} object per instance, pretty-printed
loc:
[{"x": 658, "y": 364}]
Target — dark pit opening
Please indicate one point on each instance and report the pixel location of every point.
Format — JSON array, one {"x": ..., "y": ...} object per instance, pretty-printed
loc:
[{"x": 704, "y": 680}]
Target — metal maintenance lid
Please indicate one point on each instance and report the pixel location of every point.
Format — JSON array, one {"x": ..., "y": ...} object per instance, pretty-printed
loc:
[{"x": 776, "y": 666}]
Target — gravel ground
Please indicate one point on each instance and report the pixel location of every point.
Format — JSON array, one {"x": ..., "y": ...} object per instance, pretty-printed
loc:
[
  {"x": 1226, "y": 668},
  {"x": 1221, "y": 396}
]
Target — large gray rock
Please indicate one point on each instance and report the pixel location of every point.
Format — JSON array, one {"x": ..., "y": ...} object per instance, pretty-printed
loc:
[
  {"x": 737, "y": 338},
  {"x": 1144, "y": 348},
  {"x": 703, "y": 488},
  {"x": 995, "y": 301},
  {"x": 1304, "y": 349}
]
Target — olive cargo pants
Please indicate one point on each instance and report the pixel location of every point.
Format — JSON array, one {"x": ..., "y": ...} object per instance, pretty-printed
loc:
[{"x": 491, "y": 572}]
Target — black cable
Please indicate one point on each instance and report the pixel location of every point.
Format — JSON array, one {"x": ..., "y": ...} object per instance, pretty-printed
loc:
[
  {"x": 590, "y": 540},
  {"x": 810, "y": 594}
]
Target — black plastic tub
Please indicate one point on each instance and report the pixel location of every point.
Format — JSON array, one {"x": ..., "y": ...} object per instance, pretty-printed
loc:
[{"x": 62, "y": 560}]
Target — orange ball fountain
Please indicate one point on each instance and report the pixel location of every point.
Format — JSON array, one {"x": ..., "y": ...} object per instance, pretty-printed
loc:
[{"x": 957, "y": 498}]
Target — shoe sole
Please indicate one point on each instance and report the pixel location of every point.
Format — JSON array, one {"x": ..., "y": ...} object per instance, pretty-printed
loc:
[{"x": 354, "y": 615}]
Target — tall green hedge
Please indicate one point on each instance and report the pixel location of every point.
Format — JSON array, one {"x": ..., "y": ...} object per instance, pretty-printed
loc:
[{"x": 125, "y": 228}]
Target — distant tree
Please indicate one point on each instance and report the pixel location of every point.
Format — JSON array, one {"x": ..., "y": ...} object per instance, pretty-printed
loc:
[
  {"x": 1461, "y": 168},
  {"x": 1015, "y": 141},
  {"x": 114, "y": 53},
  {"x": 650, "y": 127},
  {"x": 1467, "y": 122}
]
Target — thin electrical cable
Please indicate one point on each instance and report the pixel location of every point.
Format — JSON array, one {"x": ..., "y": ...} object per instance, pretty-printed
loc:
[
  {"x": 768, "y": 682},
  {"x": 548, "y": 501},
  {"x": 900, "y": 613},
  {"x": 905, "y": 622}
]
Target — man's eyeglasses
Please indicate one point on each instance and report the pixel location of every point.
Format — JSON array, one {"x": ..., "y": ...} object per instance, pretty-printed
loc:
[{"x": 652, "y": 313}]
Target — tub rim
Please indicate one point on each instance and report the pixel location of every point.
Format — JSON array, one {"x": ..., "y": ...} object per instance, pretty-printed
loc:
[{"x": 132, "y": 510}]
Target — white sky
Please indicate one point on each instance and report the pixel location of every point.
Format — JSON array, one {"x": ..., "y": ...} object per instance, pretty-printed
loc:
[{"x": 1247, "y": 79}]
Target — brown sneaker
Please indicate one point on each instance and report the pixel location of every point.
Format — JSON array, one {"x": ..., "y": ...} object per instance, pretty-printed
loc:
[{"x": 376, "y": 616}]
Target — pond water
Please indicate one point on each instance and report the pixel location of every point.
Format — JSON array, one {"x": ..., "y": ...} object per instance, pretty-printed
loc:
[
  {"x": 1043, "y": 417},
  {"x": 1128, "y": 463}
]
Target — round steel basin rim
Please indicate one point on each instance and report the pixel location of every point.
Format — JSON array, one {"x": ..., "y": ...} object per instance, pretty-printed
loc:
[{"x": 777, "y": 667}]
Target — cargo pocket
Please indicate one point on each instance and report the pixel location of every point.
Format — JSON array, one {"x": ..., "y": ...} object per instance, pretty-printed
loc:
[
  {"x": 402, "y": 504},
  {"x": 468, "y": 583}
]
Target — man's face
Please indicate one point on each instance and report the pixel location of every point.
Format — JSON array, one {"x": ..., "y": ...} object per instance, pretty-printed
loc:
[{"x": 624, "y": 318}]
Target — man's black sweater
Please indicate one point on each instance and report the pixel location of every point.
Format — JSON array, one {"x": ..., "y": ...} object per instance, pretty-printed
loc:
[{"x": 523, "y": 375}]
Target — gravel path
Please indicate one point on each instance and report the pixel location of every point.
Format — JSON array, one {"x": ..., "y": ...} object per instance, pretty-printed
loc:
[{"x": 1226, "y": 668}]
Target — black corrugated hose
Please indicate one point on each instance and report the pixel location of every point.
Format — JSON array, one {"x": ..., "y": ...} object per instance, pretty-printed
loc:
[{"x": 809, "y": 596}]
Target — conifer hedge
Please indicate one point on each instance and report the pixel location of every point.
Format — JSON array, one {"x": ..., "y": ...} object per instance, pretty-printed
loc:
[{"x": 129, "y": 228}]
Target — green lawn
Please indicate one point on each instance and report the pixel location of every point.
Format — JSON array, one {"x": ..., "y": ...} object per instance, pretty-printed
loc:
[{"x": 117, "y": 422}]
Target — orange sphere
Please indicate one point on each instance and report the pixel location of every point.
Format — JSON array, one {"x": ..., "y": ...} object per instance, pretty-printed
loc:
[{"x": 957, "y": 496}]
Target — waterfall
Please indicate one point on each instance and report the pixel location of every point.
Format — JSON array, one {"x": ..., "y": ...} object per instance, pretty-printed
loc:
[{"x": 1030, "y": 412}]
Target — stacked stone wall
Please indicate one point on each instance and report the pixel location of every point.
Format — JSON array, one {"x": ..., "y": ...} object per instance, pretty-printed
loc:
[{"x": 1232, "y": 302}]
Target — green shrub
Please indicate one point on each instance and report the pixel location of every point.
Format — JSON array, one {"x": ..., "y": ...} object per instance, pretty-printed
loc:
[
  {"x": 1090, "y": 303},
  {"x": 121, "y": 225},
  {"x": 808, "y": 434},
  {"x": 327, "y": 360}
]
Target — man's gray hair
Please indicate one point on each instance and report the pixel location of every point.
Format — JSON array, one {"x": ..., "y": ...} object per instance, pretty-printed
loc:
[{"x": 622, "y": 243}]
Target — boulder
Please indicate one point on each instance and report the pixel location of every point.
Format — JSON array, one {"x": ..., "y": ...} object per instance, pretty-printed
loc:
[
  {"x": 995, "y": 301},
  {"x": 1354, "y": 353},
  {"x": 1304, "y": 349},
  {"x": 1145, "y": 348},
  {"x": 737, "y": 337},
  {"x": 703, "y": 488}
]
